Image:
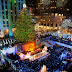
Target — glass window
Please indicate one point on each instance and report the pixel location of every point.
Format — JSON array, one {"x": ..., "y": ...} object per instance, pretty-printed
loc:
[
  {"x": 56, "y": 25},
  {"x": 3, "y": 17},
  {"x": 7, "y": 16},
  {"x": 2, "y": 7},
  {"x": 44, "y": 24},
  {"x": 15, "y": 8},
  {"x": 3, "y": 22},
  {"x": 7, "y": 25},
  {"x": 2, "y": 12},
  {"x": 52, "y": 25},
  {"x": 6, "y": 6},
  {"x": 15, "y": 11},
  {"x": 48, "y": 24},
  {"x": 12, "y": 18},
  {"x": 15, "y": 18},
  {"x": 7, "y": 22},
  {"x": 7, "y": 12},
  {"x": 21, "y": 5},
  {"x": 4, "y": 25},
  {"x": 41, "y": 23},
  {"x": 5, "y": 1},
  {"x": 11, "y": 5},
  {"x": 2, "y": 1}
]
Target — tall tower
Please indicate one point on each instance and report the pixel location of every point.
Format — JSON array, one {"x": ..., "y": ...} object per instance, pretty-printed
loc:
[{"x": 9, "y": 11}]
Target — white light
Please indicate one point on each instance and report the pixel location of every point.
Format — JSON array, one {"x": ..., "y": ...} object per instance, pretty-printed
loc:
[{"x": 24, "y": 5}]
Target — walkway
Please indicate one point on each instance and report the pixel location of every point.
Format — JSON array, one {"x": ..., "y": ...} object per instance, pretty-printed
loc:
[{"x": 55, "y": 42}]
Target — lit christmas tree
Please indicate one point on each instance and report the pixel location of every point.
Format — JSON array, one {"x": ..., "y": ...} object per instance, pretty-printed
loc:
[{"x": 24, "y": 27}]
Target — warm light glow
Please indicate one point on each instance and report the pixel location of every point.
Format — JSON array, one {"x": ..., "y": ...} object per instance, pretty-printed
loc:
[
  {"x": 29, "y": 47},
  {"x": 27, "y": 56}
]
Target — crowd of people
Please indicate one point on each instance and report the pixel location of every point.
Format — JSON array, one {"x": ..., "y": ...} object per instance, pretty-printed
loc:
[
  {"x": 53, "y": 62},
  {"x": 61, "y": 40}
]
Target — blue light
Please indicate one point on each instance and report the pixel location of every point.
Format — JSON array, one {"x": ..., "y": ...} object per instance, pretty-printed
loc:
[
  {"x": 10, "y": 32},
  {"x": 4, "y": 48}
]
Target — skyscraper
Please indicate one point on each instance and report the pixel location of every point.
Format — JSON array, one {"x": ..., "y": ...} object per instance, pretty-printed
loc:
[{"x": 9, "y": 10}]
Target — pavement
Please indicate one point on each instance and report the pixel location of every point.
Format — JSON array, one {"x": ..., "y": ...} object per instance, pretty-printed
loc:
[{"x": 54, "y": 43}]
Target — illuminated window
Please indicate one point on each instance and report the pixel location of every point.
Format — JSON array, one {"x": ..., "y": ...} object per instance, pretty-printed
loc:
[
  {"x": 4, "y": 25},
  {"x": 14, "y": 1}
]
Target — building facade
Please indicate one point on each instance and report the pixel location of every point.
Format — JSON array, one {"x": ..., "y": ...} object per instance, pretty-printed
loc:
[{"x": 9, "y": 10}]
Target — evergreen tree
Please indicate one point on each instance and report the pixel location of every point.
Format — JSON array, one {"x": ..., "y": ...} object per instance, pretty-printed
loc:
[{"x": 24, "y": 27}]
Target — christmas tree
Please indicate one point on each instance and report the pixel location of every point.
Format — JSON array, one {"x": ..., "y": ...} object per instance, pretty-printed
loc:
[{"x": 24, "y": 27}]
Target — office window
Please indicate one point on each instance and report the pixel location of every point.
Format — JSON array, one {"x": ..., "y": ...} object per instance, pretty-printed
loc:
[
  {"x": 12, "y": 18},
  {"x": 15, "y": 8},
  {"x": 48, "y": 24},
  {"x": 15, "y": 3},
  {"x": 15, "y": 11},
  {"x": 2, "y": 1},
  {"x": 3, "y": 17},
  {"x": 5, "y": 1},
  {"x": 7, "y": 16},
  {"x": 15, "y": 18},
  {"x": 11, "y": 13},
  {"x": 3, "y": 22},
  {"x": 19, "y": 8},
  {"x": 2, "y": 12},
  {"x": 19, "y": 5},
  {"x": 7, "y": 25},
  {"x": 7, "y": 12},
  {"x": 7, "y": 22},
  {"x": 11, "y": 5},
  {"x": 4, "y": 25},
  {"x": 44, "y": 24},
  {"x": 52, "y": 25},
  {"x": 41, "y": 23},
  {"x": 6, "y": 6},
  {"x": 2, "y": 7},
  {"x": 56, "y": 25}
]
